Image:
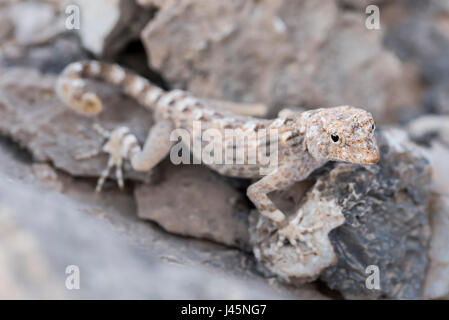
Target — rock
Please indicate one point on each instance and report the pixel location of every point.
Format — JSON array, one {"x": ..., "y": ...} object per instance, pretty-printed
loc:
[
  {"x": 433, "y": 131},
  {"x": 34, "y": 117},
  {"x": 385, "y": 224},
  {"x": 46, "y": 176},
  {"x": 121, "y": 22},
  {"x": 36, "y": 22},
  {"x": 194, "y": 201},
  {"x": 281, "y": 53},
  {"x": 37, "y": 249},
  {"x": 47, "y": 58},
  {"x": 304, "y": 262},
  {"x": 419, "y": 34},
  {"x": 34, "y": 34},
  {"x": 417, "y": 38},
  {"x": 360, "y": 4},
  {"x": 427, "y": 129},
  {"x": 6, "y": 28},
  {"x": 398, "y": 186},
  {"x": 436, "y": 99},
  {"x": 150, "y": 3},
  {"x": 437, "y": 281}
]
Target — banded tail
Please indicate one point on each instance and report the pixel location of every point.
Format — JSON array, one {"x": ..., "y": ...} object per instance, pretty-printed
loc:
[{"x": 72, "y": 89}]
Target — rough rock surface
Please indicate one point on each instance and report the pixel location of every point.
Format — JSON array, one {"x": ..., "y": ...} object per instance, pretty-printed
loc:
[
  {"x": 385, "y": 224},
  {"x": 122, "y": 22},
  {"x": 282, "y": 53},
  {"x": 195, "y": 201}
]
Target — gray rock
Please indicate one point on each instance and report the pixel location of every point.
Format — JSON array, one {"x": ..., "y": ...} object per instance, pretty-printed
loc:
[
  {"x": 39, "y": 241},
  {"x": 36, "y": 22},
  {"x": 417, "y": 39},
  {"x": 51, "y": 57},
  {"x": 192, "y": 200},
  {"x": 419, "y": 35},
  {"x": 34, "y": 34},
  {"x": 385, "y": 208},
  {"x": 281, "y": 53},
  {"x": 121, "y": 22}
]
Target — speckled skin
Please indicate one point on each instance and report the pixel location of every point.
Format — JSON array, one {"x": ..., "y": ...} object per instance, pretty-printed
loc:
[{"x": 304, "y": 140}]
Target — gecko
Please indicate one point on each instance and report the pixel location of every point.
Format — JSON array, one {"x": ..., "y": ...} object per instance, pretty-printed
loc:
[{"x": 306, "y": 140}]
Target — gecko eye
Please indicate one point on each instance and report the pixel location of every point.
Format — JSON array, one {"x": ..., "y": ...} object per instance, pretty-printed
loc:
[
  {"x": 373, "y": 126},
  {"x": 335, "y": 137}
]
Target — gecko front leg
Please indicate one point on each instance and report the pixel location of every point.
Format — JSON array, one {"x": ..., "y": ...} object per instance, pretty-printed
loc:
[
  {"x": 281, "y": 178},
  {"x": 294, "y": 170},
  {"x": 258, "y": 194}
]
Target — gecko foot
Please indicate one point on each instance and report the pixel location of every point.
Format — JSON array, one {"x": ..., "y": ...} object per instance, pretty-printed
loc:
[
  {"x": 117, "y": 146},
  {"x": 295, "y": 234}
]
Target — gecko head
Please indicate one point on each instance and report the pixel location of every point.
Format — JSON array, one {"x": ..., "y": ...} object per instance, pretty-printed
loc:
[{"x": 342, "y": 134}]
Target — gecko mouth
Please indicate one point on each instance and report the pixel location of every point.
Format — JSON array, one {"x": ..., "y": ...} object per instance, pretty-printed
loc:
[{"x": 372, "y": 158}]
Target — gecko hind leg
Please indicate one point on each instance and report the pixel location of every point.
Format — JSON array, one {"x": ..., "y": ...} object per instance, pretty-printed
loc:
[
  {"x": 116, "y": 146},
  {"x": 122, "y": 145}
]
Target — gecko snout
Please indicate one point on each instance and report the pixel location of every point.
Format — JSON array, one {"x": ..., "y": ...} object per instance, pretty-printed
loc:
[{"x": 372, "y": 157}]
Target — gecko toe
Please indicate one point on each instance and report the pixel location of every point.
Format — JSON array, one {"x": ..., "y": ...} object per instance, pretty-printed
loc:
[
  {"x": 119, "y": 176},
  {"x": 105, "y": 134},
  {"x": 87, "y": 155}
]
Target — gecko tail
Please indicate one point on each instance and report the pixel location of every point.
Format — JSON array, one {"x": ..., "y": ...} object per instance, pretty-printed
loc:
[
  {"x": 71, "y": 86},
  {"x": 74, "y": 94}
]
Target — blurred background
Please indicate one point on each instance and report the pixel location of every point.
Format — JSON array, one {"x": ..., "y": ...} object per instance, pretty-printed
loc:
[{"x": 162, "y": 238}]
